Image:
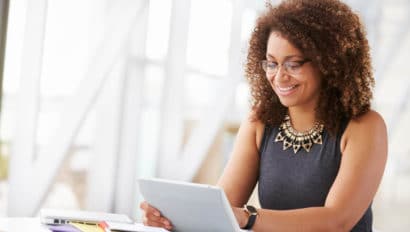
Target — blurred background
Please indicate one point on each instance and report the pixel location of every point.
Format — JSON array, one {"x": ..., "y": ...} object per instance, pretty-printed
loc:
[{"x": 97, "y": 93}]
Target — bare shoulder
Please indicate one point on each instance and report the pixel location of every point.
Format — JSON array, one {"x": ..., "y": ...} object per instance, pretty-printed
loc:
[
  {"x": 369, "y": 126},
  {"x": 369, "y": 122}
]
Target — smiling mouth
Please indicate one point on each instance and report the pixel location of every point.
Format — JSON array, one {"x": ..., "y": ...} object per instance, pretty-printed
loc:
[{"x": 286, "y": 89}]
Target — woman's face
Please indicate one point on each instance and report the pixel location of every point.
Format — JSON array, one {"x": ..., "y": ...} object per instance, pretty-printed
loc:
[{"x": 293, "y": 77}]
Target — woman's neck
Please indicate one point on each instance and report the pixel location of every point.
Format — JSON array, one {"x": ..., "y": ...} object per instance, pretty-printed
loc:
[{"x": 302, "y": 119}]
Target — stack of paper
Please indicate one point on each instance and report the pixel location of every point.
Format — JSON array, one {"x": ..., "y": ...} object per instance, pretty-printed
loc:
[
  {"x": 87, "y": 228},
  {"x": 136, "y": 227},
  {"x": 120, "y": 227},
  {"x": 76, "y": 227},
  {"x": 86, "y": 221},
  {"x": 63, "y": 228}
]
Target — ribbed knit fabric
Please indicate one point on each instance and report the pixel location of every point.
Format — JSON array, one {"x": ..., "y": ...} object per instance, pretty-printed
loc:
[{"x": 293, "y": 181}]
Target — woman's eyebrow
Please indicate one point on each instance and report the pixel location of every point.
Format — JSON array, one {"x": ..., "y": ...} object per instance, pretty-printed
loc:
[
  {"x": 286, "y": 57},
  {"x": 270, "y": 56},
  {"x": 292, "y": 56}
]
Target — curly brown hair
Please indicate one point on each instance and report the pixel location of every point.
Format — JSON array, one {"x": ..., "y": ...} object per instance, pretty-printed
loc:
[{"x": 332, "y": 36}]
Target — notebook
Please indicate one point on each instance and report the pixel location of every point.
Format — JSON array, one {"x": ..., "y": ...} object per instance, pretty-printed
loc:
[
  {"x": 136, "y": 227},
  {"x": 58, "y": 216},
  {"x": 189, "y": 206}
]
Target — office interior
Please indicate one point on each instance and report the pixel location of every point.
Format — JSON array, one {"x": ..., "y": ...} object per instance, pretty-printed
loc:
[{"x": 98, "y": 93}]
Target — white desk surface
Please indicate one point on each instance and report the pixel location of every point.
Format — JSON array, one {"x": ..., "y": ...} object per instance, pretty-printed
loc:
[
  {"x": 32, "y": 224},
  {"x": 20, "y": 224}
]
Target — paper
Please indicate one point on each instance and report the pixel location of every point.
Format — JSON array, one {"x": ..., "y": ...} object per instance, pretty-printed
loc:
[
  {"x": 63, "y": 228},
  {"x": 86, "y": 227},
  {"x": 136, "y": 227}
]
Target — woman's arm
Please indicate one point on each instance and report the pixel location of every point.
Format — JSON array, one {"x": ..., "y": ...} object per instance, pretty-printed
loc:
[
  {"x": 364, "y": 154},
  {"x": 241, "y": 173},
  {"x": 239, "y": 177}
]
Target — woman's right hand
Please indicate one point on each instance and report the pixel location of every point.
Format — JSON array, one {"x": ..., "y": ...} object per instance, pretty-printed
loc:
[{"x": 152, "y": 217}]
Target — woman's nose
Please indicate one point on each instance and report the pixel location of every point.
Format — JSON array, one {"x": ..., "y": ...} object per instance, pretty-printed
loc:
[
  {"x": 280, "y": 76},
  {"x": 281, "y": 72}
]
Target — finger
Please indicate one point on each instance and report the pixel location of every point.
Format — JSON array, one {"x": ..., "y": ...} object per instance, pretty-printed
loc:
[
  {"x": 154, "y": 218},
  {"x": 161, "y": 223},
  {"x": 158, "y": 221},
  {"x": 149, "y": 209},
  {"x": 144, "y": 205},
  {"x": 150, "y": 217},
  {"x": 168, "y": 225},
  {"x": 148, "y": 222}
]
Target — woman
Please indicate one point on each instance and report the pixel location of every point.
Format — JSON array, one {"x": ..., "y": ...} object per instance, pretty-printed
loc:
[{"x": 311, "y": 141}]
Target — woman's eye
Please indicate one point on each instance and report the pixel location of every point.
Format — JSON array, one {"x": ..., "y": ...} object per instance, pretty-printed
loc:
[
  {"x": 272, "y": 65},
  {"x": 293, "y": 65}
]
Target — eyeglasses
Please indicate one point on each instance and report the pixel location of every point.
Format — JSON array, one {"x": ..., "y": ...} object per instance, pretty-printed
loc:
[{"x": 291, "y": 67}]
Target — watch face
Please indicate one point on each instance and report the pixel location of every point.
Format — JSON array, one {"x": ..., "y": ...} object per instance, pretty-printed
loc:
[
  {"x": 253, "y": 213},
  {"x": 251, "y": 210}
]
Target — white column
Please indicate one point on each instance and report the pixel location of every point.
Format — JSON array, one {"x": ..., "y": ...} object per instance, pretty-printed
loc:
[
  {"x": 172, "y": 104},
  {"x": 102, "y": 170},
  {"x": 126, "y": 188},
  {"x": 212, "y": 121},
  {"x": 36, "y": 182},
  {"x": 23, "y": 147},
  {"x": 116, "y": 142}
]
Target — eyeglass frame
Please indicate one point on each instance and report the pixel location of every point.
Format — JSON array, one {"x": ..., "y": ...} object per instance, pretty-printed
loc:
[{"x": 264, "y": 64}]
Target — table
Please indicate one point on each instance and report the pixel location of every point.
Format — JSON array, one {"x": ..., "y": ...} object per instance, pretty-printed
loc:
[
  {"x": 32, "y": 224},
  {"x": 19, "y": 224}
]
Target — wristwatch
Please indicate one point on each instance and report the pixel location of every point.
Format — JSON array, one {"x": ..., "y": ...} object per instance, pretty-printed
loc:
[{"x": 252, "y": 213}]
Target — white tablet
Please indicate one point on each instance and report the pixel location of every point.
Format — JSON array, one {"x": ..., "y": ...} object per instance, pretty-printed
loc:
[
  {"x": 190, "y": 207},
  {"x": 57, "y": 216}
]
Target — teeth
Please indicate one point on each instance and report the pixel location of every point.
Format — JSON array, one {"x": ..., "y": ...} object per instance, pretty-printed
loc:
[{"x": 286, "y": 88}]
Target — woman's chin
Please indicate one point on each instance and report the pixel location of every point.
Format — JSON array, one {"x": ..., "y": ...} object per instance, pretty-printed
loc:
[{"x": 286, "y": 103}]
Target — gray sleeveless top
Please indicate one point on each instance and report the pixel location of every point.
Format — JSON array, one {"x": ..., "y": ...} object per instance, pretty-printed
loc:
[{"x": 292, "y": 181}]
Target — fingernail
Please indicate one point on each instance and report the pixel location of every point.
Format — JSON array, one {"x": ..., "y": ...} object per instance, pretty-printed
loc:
[
  {"x": 157, "y": 214},
  {"x": 167, "y": 223}
]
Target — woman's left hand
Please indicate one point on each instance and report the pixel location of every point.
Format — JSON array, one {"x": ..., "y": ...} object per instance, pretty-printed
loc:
[{"x": 241, "y": 216}]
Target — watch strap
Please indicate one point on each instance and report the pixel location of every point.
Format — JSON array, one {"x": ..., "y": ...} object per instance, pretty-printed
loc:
[{"x": 253, "y": 213}]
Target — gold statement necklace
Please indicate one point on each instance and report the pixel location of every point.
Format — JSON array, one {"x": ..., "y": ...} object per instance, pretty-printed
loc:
[{"x": 292, "y": 138}]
